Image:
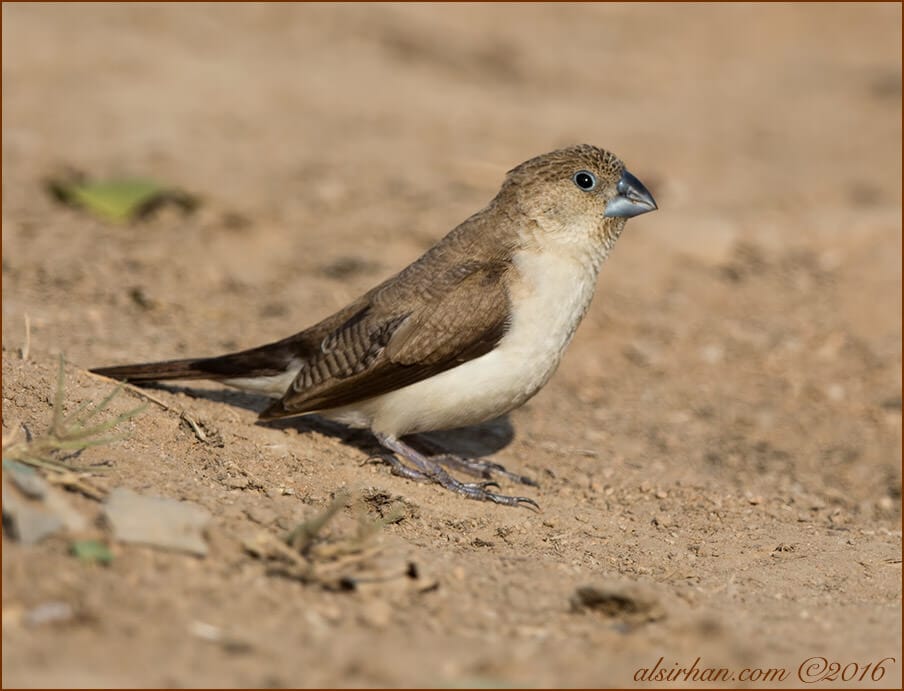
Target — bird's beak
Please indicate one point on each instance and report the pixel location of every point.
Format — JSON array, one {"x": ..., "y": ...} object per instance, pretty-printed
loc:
[{"x": 632, "y": 199}]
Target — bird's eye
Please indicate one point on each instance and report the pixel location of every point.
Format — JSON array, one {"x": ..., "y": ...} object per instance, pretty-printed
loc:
[{"x": 585, "y": 180}]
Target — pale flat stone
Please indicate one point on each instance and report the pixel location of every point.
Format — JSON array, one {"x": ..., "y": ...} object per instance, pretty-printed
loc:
[
  {"x": 157, "y": 521},
  {"x": 32, "y": 509}
]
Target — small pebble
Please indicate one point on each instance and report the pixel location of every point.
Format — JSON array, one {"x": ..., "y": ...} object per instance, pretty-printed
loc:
[
  {"x": 49, "y": 613},
  {"x": 377, "y": 613},
  {"x": 237, "y": 482}
]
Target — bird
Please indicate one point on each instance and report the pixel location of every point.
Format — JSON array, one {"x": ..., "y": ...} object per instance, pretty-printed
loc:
[{"x": 467, "y": 332}]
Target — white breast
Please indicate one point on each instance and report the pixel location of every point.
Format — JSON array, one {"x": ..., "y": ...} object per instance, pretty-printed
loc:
[{"x": 548, "y": 304}]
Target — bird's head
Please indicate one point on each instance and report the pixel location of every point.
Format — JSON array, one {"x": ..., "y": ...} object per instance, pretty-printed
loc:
[{"x": 578, "y": 192}]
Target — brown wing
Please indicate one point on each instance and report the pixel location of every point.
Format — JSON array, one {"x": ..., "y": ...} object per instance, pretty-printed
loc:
[{"x": 404, "y": 332}]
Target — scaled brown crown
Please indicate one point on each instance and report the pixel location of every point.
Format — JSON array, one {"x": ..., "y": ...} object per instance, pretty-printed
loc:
[{"x": 565, "y": 162}]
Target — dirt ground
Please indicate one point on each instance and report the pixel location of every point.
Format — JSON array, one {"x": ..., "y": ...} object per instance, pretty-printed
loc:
[{"x": 720, "y": 450}]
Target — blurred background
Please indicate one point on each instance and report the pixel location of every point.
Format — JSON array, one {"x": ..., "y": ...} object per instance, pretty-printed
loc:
[
  {"x": 745, "y": 342},
  {"x": 767, "y": 123}
]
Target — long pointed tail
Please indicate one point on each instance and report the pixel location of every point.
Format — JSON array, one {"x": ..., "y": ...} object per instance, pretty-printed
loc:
[
  {"x": 157, "y": 371},
  {"x": 263, "y": 361}
]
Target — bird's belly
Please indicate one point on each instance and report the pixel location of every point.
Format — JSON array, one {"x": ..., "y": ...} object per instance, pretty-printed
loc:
[
  {"x": 554, "y": 299},
  {"x": 478, "y": 390}
]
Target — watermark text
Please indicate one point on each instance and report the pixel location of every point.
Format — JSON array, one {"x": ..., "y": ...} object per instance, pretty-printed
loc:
[{"x": 810, "y": 671}]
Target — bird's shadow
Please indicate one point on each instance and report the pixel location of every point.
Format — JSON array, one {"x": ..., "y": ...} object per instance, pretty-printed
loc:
[{"x": 475, "y": 441}]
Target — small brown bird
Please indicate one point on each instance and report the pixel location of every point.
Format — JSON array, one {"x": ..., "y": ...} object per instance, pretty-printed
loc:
[{"x": 466, "y": 333}]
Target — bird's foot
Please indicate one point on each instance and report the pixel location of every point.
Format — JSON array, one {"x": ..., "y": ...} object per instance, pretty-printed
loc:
[
  {"x": 429, "y": 469},
  {"x": 477, "y": 468}
]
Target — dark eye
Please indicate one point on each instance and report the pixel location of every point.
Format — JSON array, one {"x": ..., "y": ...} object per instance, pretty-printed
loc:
[{"x": 585, "y": 180}]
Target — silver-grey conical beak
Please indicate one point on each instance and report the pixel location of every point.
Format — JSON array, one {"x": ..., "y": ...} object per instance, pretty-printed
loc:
[{"x": 632, "y": 199}]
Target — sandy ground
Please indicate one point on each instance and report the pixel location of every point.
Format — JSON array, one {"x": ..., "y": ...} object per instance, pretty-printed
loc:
[{"x": 721, "y": 445}]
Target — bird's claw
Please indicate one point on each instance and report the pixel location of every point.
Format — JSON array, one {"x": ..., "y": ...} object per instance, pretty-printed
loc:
[
  {"x": 430, "y": 469},
  {"x": 478, "y": 468}
]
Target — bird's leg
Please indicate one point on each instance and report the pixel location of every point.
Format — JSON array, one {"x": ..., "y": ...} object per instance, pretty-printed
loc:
[
  {"x": 475, "y": 467},
  {"x": 400, "y": 469},
  {"x": 478, "y": 468},
  {"x": 429, "y": 473},
  {"x": 427, "y": 468}
]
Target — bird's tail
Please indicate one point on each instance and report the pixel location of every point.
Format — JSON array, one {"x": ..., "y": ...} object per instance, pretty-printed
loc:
[
  {"x": 263, "y": 361},
  {"x": 157, "y": 371}
]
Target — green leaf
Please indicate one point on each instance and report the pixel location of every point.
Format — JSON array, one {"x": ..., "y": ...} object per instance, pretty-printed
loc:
[
  {"x": 118, "y": 200},
  {"x": 92, "y": 551}
]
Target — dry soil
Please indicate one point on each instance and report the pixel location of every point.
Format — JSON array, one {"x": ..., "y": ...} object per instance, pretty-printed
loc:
[{"x": 719, "y": 451}]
